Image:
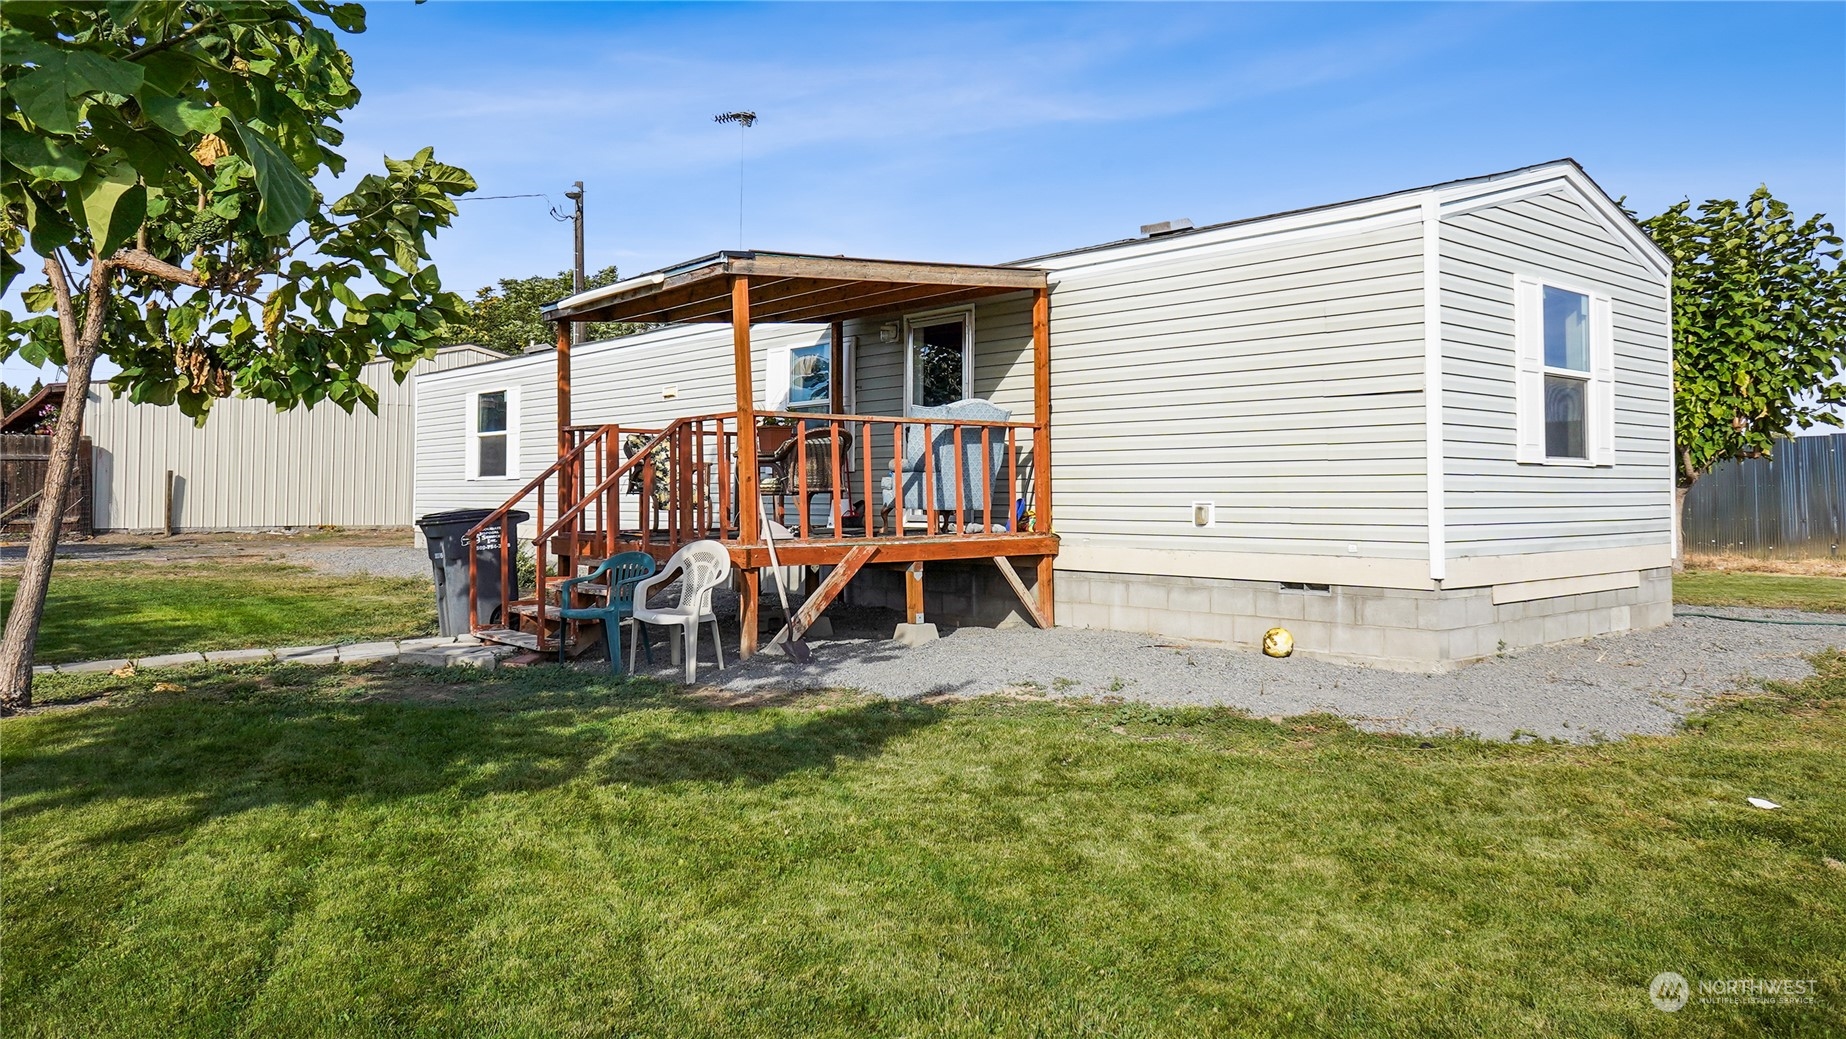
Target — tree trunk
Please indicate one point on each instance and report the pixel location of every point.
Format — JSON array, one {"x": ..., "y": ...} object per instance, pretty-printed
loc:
[
  {"x": 28, "y": 609},
  {"x": 1679, "y": 526}
]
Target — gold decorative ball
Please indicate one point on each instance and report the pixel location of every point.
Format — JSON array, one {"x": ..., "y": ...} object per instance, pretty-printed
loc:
[{"x": 1277, "y": 642}]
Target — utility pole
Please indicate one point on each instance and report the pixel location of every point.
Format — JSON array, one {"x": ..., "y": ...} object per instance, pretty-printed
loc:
[{"x": 577, "y": 329}]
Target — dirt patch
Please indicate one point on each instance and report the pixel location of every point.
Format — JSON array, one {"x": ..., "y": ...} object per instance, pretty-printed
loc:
[
  {"x": 256, "y": 544},
  {"x": 756, "y": 700},
  {"x": 1750, "y": 565}
]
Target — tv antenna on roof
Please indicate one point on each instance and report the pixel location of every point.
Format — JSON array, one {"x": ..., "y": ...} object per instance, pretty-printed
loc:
[{"x": 744, "y": 120}]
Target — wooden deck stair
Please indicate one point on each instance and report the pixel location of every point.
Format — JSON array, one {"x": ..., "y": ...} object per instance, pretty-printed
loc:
[{"x": 694, "y": 485}]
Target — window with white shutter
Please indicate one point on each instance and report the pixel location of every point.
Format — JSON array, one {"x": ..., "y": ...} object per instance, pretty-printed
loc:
[
  {"x": 800, "y": 378},
  {"x": 1565, "y": 375}
]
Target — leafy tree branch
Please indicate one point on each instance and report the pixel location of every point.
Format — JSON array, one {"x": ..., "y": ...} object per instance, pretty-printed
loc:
[{"x": 169, "y": 151}]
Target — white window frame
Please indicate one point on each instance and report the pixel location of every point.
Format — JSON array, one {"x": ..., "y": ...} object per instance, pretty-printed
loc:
[
  {"x": 1530, "y": 372},
  {"x": 778, "y": 379},
  {"x": 912, "y": 322},
  {"x": 471, "y": 434}
]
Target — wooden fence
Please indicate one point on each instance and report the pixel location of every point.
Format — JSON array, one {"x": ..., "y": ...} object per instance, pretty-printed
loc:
[{"x": 25, "y": 460}]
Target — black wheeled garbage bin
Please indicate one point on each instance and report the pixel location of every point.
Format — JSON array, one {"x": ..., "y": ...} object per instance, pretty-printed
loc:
[{"x": 447, "y": 535}]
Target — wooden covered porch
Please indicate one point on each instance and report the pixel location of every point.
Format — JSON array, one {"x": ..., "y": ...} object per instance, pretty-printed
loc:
[{"x": 616, "y": 489}]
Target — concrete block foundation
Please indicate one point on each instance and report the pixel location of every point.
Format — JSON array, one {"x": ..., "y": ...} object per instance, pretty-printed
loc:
[{"x": 1396, "y": 628}]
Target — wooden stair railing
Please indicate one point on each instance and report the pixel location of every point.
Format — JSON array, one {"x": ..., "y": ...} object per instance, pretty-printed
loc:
[
  {"x": 561, "y": 481},
  {"x": 697, "y": 468}
]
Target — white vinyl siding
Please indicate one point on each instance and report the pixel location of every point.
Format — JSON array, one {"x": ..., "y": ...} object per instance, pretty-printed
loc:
[
  {"x": 1620, "y": 498},
  {"x": 1281, "y": 382},
  {"x": 251, "y": 467}
]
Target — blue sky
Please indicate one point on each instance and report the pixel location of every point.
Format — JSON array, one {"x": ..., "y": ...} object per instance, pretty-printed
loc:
[{"x": 986, "y": 133}]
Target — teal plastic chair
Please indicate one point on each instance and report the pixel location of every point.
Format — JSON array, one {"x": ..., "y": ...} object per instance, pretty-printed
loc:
[{"x": 624, "y": 572}]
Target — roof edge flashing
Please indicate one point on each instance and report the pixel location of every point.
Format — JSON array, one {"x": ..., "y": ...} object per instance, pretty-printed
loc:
[{"x": 597, "y": 295}]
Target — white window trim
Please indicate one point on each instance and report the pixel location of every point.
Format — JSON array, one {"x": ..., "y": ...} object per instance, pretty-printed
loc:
[
  {"x": 471, "y": 436},
  {"x": 1530, "y": 371},
  {"x": 776, "y": 382},
  {"x": 940, "y": 317}
]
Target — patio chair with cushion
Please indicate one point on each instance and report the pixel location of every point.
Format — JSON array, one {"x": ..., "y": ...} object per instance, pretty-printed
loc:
[
  {"x": 622, "y": 573},
  {"x": 701, "y": 567},
  {"x": 931, "y": 486},
  {"x": 786, "y": 471}
]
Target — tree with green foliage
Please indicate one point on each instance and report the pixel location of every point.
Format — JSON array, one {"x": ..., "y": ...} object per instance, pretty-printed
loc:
[
  {"x": 1759, "y": 328},
  {"x": 11, "y": 398},
  {"x": 506, "y": 317},
  {"x": 159, "y": 165}
]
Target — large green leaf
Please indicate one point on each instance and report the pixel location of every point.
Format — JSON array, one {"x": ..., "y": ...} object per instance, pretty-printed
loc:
[
  {"x": 47, "y": 226},
  {"x": 179, "y": 116},
  {"x": 44, "y": 158},
  {"x": 349, "y": 17},
  {"x": 113, "y": 204},
  {"x": 52, "y": 95},
  {"x": 287, "y": 196},
  {"x": 9, "y": 269}
]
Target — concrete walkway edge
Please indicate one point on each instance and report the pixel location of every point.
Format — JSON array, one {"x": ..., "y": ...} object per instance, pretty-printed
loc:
[{"x": 436, "y": 651}]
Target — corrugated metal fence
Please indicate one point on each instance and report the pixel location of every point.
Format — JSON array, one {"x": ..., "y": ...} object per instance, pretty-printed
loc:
[
  {"x": 1786, "y": 507},
  {"x": 251, "y": 467}
]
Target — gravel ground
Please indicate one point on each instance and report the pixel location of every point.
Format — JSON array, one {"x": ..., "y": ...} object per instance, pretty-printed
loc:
[
  {"x": 1619, "y": 685},
  {"x": 407, "y": 561},
  {"x": 384, "y": 554}
]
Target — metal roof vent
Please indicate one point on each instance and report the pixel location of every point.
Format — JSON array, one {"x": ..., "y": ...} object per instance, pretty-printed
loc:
[{"x": 1167, "y": 227}]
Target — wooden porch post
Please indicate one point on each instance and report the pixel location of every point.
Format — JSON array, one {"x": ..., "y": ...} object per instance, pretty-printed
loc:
[
  {"x": 1041, "y": 411},
  {"x": 749, "y": 527},
  {"x": 1041, "y": 441},
  {"x": 567, "y": 487},
  {"x": 837, "y": 365},
  {"x": 563, "y": 357},
  {"x": 913, "y": 593}
]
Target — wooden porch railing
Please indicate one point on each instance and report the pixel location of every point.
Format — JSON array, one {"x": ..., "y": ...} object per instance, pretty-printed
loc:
[{"x": 621, "y": 488}]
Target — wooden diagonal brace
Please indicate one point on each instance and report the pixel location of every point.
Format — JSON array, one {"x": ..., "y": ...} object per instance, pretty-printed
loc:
[
  {"x": 824, "y": 595},
  {"x": 1026, "y": 598}
]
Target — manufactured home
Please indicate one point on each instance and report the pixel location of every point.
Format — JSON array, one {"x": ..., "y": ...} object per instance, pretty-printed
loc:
[{"x": 1414, "y": 429}]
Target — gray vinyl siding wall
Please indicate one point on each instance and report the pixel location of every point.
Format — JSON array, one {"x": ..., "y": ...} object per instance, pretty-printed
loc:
[
  {"x": 1283, "y": 382},
  {"x": 251, "y": 467},
  {"x": 1002, "y": 370},
  {"x": 1493, "y": 505}
]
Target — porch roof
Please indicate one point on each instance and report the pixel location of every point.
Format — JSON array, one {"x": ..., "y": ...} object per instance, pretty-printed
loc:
[{"x": 790, "y": 287}]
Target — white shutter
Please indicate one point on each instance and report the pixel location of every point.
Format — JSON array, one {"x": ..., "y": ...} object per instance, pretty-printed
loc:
[
  {"x": 849, "y": 373},
  {"x": 775, "y": 380},
  {"x": 471, "y": 452},
  {"x": 1528, "y": 371},
  {"x": 512, "y": 432},
  {"x": 1602, "y": 382}
]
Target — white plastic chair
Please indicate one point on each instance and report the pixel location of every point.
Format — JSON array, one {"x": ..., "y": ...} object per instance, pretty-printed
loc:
[{"x": 701, "y": 567}]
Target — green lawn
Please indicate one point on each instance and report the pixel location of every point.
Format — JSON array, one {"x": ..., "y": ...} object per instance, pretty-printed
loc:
[
  {"x": 106, "y": 610},
  {"x": 1777, "y": 591},
  {"x": 288, "y": 851}
]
